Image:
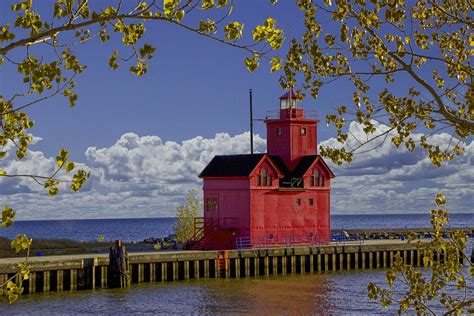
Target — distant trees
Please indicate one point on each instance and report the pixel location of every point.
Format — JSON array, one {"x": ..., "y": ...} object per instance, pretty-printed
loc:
[{"x": 185, "y": 215}]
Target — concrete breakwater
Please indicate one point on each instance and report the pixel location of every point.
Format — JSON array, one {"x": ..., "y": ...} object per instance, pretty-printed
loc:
[
  {"x": 396, "y": 233},
  {"x": 80, "y": 272}
]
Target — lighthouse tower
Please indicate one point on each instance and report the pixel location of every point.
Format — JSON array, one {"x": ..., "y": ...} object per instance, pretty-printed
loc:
[
  {"x": 269, "y": 199},
  {"x": 291, "y": 136}
]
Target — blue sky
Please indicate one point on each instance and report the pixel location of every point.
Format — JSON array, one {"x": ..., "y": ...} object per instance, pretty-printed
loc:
[
  {"x": 195, "y": 86},
  {"x": 146, "y": 139}
]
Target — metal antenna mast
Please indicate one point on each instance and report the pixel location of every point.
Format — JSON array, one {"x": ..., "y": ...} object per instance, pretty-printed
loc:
[{"x": 251, "y": 122}]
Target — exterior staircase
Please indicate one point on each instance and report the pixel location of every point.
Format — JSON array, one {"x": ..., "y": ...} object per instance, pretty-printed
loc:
[{"x": 204, "y": 229}]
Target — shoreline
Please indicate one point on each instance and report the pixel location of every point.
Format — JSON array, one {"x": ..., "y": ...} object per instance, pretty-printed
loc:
[{"x": 51, "y": 247}]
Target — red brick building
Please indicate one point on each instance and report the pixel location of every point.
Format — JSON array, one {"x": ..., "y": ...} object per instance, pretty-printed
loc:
[{"x": 276, "y": 198}]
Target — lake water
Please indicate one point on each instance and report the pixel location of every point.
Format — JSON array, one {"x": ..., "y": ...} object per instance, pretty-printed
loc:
[
  {"x": 334, "y": 293},
  {"x": 341, "y": 293},
  {"x": 141, "y": 228}
]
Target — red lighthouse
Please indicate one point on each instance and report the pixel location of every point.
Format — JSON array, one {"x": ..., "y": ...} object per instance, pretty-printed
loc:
[{"x": 277, "y": 198}]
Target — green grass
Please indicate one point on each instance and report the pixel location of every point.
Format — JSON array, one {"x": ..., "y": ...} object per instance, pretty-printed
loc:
[{"x": 54, "y": 247}]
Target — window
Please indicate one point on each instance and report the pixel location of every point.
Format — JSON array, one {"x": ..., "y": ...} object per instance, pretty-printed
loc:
[
  {"x": 310, "y": 201},
  {"x": 298, "y": 202},
  {"x": 264, "y": 179},
  {"x": 321, "y": 182},
  {"x": 315, "y": 178},
  {"x": 211, "y": 204},
  {"x": 264, "y": 176},
  {"x": 278, "y": 131},
  {"x": 303, "y": 131}
]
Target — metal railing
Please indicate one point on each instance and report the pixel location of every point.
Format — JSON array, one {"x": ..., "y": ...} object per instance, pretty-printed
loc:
[
  {"x": 275, "y": 114},
  {"x": 204, "y": 226},
  {"x": 295, "y": 240}
]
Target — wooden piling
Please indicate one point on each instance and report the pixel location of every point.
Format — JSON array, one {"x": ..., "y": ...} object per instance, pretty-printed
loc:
[
  {"x": 206, "y": 269},
  {"x": 46, "y": 281},
  {"x": 275, "y": 265},
  {"x": 256, "y": 266},
  {"x": 237, "y": 268},
  {"x": 303, "y": 264},
  {"x": 196, "y": 269},
  {"x": 32, "y": 283},
  {"x": 73, "y": 280},
  {"x": 141, "y": 272},
  {"x": 175, "y": 271},
  {"x": 266, "y": 262},
  {"x": 164, "y": 271},
  {"x": 284, "y": 262},
  {"x": 247, "y": 267},
  {"x": 186, "y": 270},
  {"x": 152, "y": 272},
  {"x": 59, "y": 280}
]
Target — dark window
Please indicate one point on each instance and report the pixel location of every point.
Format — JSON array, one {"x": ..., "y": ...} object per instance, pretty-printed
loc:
[
  {"x": 298, "y": 201},
  {"x": 278, "y": 131},
  {"x": 315, "y": 178},
  {"x": 264, "y": 177},
  {"x": 310, "y": 201},
  {"x": 269, "y": 180},
  {"x": 321, "y": 181},
  {"x": 211, "y": 204},
  {"x": 259, "y": 180},
  {"x": 303, "y": 131}
]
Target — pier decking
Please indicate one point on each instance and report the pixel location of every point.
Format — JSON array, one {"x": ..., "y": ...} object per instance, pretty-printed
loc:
[{"x": 79, "y": 272}]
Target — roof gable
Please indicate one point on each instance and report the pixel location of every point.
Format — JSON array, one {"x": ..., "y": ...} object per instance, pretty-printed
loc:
[
  {"x": 320, "y": 161},
  {"x": 272, "y": 164}
]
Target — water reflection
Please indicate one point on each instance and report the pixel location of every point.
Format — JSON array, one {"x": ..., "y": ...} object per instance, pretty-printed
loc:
[
  {"x": 289, "y": 294},
  {"x": 331, "y": 293}
]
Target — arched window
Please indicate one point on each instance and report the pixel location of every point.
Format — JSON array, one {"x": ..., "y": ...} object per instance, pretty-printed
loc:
[
  {"x": 315, "y": 178},
  {"x": 264, "y": 176}
]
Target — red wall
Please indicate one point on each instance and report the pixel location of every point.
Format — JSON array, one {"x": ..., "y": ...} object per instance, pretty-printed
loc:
[
  {"x": 233, "y": 202},
  {"x": 275, "y": 212}
]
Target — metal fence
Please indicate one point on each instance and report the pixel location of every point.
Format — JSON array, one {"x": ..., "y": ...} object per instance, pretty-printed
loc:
[{"x": 294, "y": 240}]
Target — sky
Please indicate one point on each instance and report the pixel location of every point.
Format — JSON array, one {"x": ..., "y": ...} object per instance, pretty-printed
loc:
[{"x": 145, "y": 140}]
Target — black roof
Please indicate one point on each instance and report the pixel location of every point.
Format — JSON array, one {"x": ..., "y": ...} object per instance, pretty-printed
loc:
[
  {"x": 280, "y": 164},
  {"x": 303, "y": 165},
  {"x": 231, "y": 166},
  {"x": 242, "y": 166}
]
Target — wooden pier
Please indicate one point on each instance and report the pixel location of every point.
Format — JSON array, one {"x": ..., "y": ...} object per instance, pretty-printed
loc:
[{"x": 80, "y": 272}]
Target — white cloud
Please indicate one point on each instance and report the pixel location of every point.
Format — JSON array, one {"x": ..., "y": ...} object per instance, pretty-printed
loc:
[
  {"x": 147, "y": 177},
  {"x": 135, "y": 177},
  {"x": 392, "y": 180}
]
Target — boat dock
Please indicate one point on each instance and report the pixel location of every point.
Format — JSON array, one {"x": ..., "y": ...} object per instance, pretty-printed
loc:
[{"x": 81, "y": 272}]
